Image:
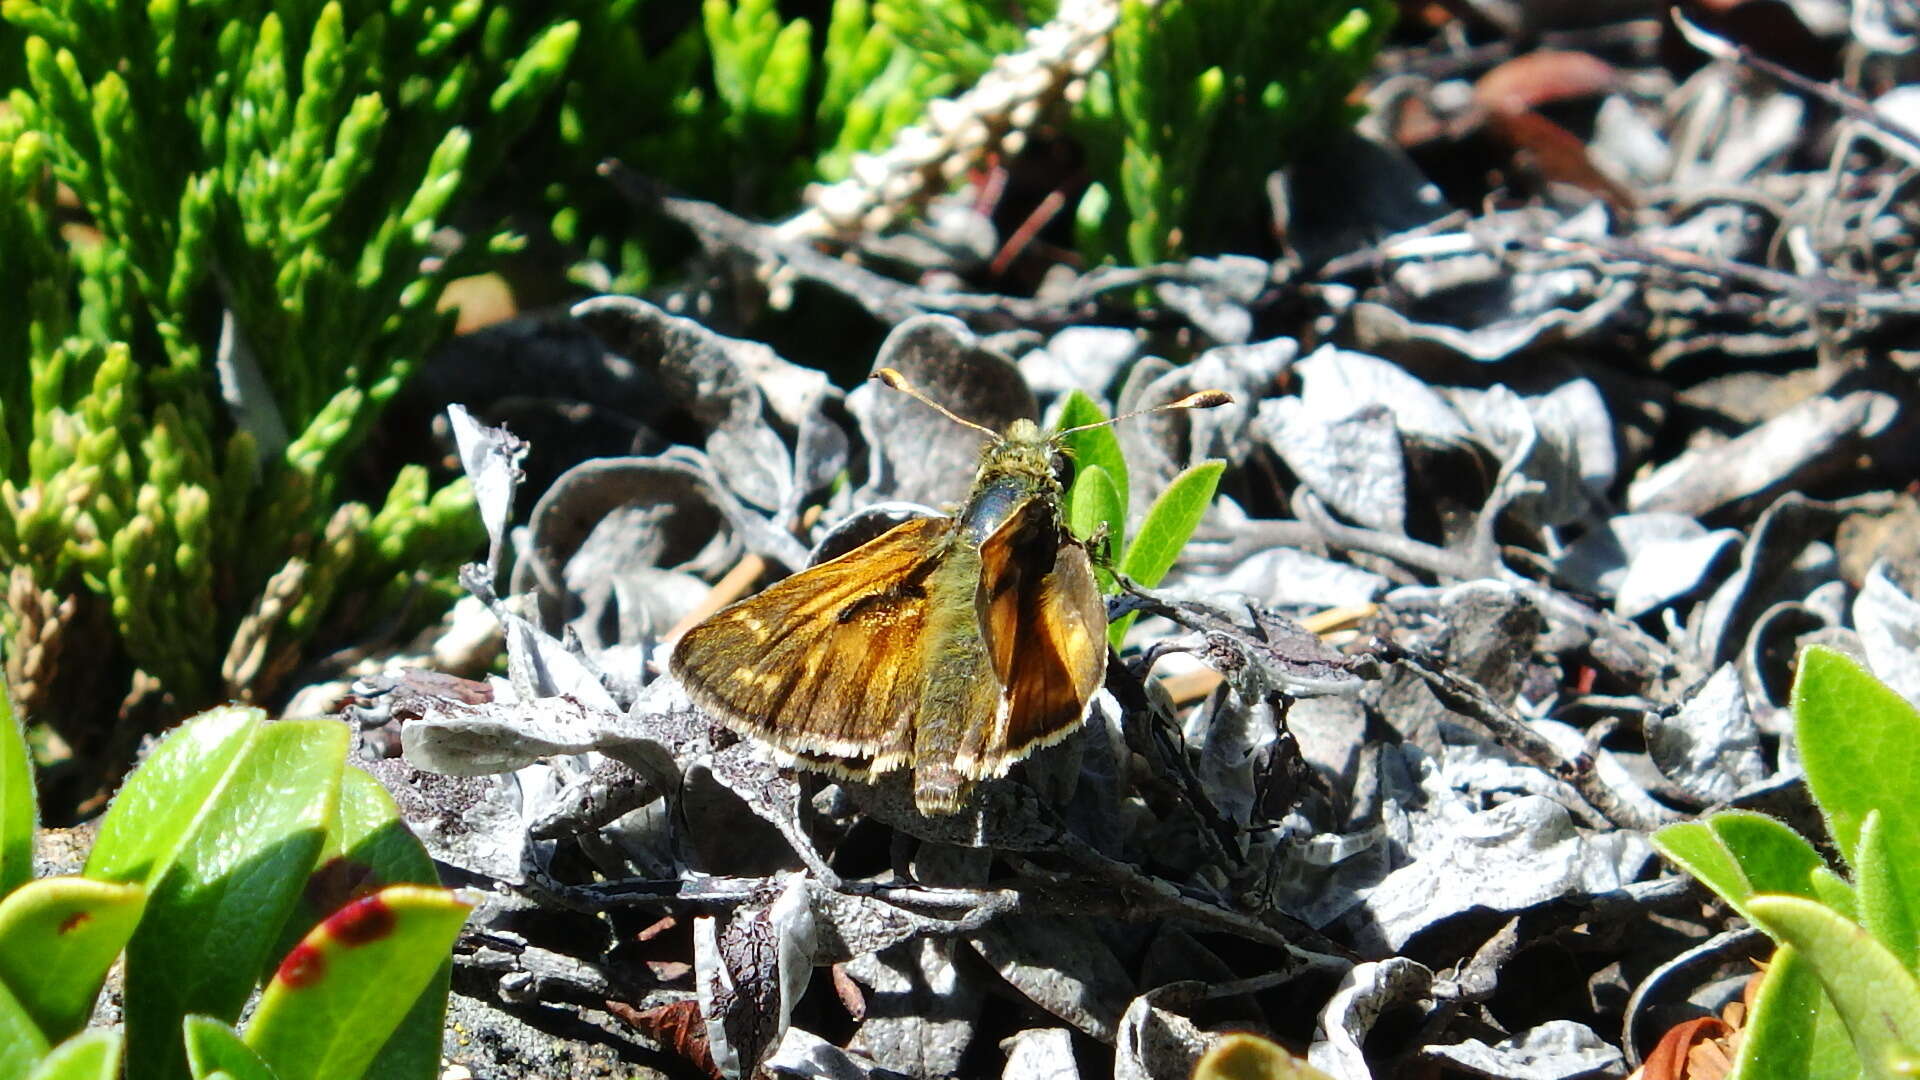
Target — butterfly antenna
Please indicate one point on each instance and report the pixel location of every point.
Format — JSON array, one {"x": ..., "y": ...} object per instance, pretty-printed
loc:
[
  {"x": 899, "y": 382},
  {"x": 1200, "y": 399}
]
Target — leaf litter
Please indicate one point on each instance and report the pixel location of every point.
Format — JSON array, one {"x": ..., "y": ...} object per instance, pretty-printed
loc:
[{"x": 1528, "y": 508}]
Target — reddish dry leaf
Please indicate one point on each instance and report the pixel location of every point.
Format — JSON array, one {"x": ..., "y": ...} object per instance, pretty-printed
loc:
[
  {"x": 1543, "y": 77},
  {"x": 657, "y": 927},
  {"x": 852, "y": 998},
  {"x": 678, "y": 1028},
  {"x": 1556, "y": 154},
  {"x": 1702, "y": 1048},
  {"x": 1671, "y": 1057}
]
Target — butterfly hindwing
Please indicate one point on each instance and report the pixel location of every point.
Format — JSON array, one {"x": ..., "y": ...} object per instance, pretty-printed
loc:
[{"x": 828, "y": 662}]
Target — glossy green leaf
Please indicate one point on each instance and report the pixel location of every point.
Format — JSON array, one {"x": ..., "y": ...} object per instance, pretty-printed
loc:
[
  {"x": 1886, "y": 905},
  {"x": 1794, "y": 1032},
  {"x": 369, "y": 847},
  {"x": 58, "y": 937},
  {"x": 1832, "y": 890},
  {"x": 215, "y": 1049},
  {"x": 94, "y": 1055},
  {"x": 18, "y": 808},
  {"x": 1860, "y": 744},
  {"x": 1693, "y": 847},
  {"x": 344, "y": 988},
  {"x": 214, "y": 915},
  {"x": 156, "y": 807},
  {"x": 22, "y": 1044},
  {"x": 1094, "y": 447},
  {"x": 1170, "y": 522},
  {"x": 1738, "y": 853},
  {"x": 1094, "y": 506},
  {"x": 1876, "y": 996}
]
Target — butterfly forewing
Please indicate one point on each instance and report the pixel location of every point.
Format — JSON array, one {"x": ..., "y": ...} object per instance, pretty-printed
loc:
[
  {"x": 1044, "y": 624},
  {"x": 821, "y": 663}
]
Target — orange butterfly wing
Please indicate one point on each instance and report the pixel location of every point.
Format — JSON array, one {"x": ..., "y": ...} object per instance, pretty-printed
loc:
[
  {"x": 828, "y": 663},
  {"x": 1045, "y": 626}
]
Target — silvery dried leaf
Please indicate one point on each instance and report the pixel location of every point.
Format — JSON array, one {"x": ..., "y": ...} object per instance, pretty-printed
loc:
[
  {"x": 1354, "y": 461},
  {"x": 1319, "y": 878},
  {"x": 1339, "y": 382},
  {"x": 1217, "y": 293},
  {"x": 1709, "y": 747},
  {"x": 1645, "y": 561},
  {"x": 1888, "y": 618},
  {"x": 804, "y": 1054},
  {"x": 713, "y": 378},
  {"x": 478, "y": 824},
  {"x": 1367, "y": 992},
  {"x": 1040, "y": 1054},
  {"x": 1228, "y": 735},
  {"x": 1084, "y": 358},
  {"x": 609, "y": 790},
  {"x": 1717, "y": 629},
  {"x": 458, "y": 739},
  {"x": 1244, "y": 372},
  {"x": 491, "y": 459},
  {"x": 1555, "y": 1050},
  {"x": 1155, "y": 1041},
  {"x": 915, "y": 454},
  {"x": 921, "y": 1010},
  {"x": 1484, "y": 335},
  {"x": 1814, "y": 436},
  {"x": 1546, "y": 457},
  {"x": 1510, "y": 857},
  {"x": 1062, "y": 965},
  {"x": 1278, "y": 577},
  {"x": 620, "y": 548}
]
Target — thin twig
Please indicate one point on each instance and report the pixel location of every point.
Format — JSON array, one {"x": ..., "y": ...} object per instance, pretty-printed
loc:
[{"x": 1469, "y": 700}]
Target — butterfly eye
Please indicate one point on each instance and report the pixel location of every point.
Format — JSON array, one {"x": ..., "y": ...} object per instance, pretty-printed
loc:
[{"x": 1062, "y": 468}]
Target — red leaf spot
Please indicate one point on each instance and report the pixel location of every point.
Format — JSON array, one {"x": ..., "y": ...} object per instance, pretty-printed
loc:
[
  {"x": 302, "y": 967},
  {"x": 74, "y": 921},
  {"x": 339, "y": 880},
  {"x": 366, "y": 919}
]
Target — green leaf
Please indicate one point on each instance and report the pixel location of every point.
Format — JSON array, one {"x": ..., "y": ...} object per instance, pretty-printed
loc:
[
  {"x": 1860, "y": 743},
  {"x": 1693, "y": 847},
  {"x": 214, "y": 1047},
  {"x": 149, "y": 819},
  {"x": 1738, "y": 853},
  {"x": 1877, "y": 998},
  {"x": 1092, "y": 502},
  {"x": 1885, "y": 904},
  {"x": 58, "y": 937},
  {"x": 342, "y": 990},
  {"x": 1794, "y": 1032},
  {"x": 22, "y": 1044},
  {"x": 94, "y": 1055},
  {"x": 214, "y": 915},
  {"x": 1094, "y": 447},
  {"x": 369, "y": 846},
  {"x": 18, "y": 810},
  {"x": 1170, "y": 522}
]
